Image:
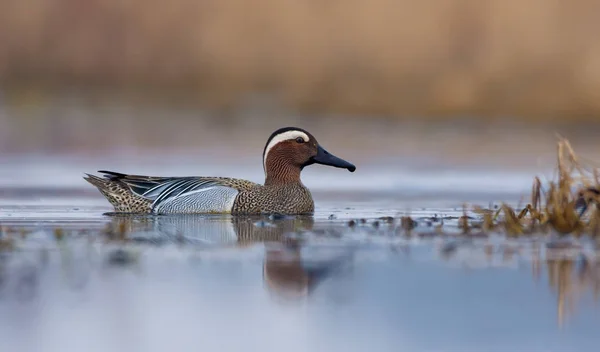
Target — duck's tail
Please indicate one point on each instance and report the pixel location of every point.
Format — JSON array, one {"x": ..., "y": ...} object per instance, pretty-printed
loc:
[{"x": 118, "y": 193}]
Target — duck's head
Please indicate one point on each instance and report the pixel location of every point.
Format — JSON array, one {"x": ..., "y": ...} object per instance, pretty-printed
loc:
[{"x": 290, "y": 149}]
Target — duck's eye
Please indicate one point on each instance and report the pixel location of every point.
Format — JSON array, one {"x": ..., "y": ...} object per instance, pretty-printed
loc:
[{"x": 300, "y": 140}]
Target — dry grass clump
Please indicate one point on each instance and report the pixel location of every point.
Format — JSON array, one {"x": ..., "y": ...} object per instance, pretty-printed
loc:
[{"x": 569, "y": 205}]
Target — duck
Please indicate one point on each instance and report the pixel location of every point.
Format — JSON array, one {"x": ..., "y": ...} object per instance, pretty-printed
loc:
[{"x": 287, "y": 152}]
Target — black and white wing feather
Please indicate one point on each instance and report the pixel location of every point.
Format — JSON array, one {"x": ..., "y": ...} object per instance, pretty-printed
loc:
[{"x": 184, "y": 194}]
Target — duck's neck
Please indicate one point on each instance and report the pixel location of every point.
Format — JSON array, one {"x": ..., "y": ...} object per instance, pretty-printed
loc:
[{"x": 284, "y": 174}]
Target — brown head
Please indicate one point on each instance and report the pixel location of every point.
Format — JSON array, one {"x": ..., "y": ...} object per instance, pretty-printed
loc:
[{"x": 289, "y": 150}]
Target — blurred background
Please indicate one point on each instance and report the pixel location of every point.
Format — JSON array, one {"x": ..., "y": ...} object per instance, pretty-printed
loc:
[{"x": 455, "y": 81}]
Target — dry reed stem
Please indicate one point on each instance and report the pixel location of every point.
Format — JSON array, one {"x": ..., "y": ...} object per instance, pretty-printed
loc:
[{"x": 556, "y": 209}]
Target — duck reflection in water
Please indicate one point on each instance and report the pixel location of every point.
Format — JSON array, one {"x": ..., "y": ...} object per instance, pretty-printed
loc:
[
  {"x": 290, "y": 275},
  {"x": 286, "y": 272}
]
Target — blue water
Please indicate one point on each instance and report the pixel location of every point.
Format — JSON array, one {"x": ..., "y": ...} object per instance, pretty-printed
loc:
[
  {"x": 190, "y": 284},
  {"x": 369, "y": 298}
]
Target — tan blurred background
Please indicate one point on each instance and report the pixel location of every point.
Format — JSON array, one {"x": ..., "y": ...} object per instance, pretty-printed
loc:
[
  {"x": 434, "y": 60},
  {"x": 534, "y": 57}
]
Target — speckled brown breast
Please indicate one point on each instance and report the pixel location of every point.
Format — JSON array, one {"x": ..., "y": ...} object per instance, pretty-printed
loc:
[{"x": 292, "y": 198}]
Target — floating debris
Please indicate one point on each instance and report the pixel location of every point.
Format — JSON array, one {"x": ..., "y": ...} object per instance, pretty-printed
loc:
[
  {"x": 351, "y": 223},
  {"x": 386, "y": 219}
]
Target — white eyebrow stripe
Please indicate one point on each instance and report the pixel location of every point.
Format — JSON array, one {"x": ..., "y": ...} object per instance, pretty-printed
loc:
[{"x": 280, "y": 138}]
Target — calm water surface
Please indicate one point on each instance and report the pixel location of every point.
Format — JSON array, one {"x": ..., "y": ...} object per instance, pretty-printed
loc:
[{"x": 221, "y": 283}]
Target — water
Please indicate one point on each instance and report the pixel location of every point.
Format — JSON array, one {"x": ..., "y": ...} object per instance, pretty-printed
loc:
[
  {"x": 223, "y": 283},
  {"x": 300, "y": 284}
]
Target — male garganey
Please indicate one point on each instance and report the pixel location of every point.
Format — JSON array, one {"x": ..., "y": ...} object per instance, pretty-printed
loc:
[{"x": 287, "y": 152}]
